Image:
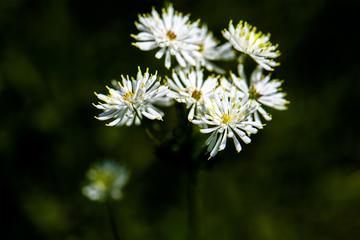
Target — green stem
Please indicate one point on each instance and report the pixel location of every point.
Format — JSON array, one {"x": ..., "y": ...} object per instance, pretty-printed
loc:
[
  {"x": 147, "y": 128},
  {"x": 192, "y": 173},
  {"x": 151, "y": 136},
  {"x": 112, "y": 221},
  {"x": 192, "y": 201}
]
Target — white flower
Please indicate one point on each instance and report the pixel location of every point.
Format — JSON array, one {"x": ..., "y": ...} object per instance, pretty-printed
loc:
[
  {"x": 106, "y": 181},
  {"x": 261, "y": 89},
  {"x": 246, "y": 39},
  {"x": 131, "y": 99},
  {"x": 227, "y": 116},
  {"x": 172, "y": 32},
  {"x": 210, "y": 50},
  {"x": 191, "y": 88}
]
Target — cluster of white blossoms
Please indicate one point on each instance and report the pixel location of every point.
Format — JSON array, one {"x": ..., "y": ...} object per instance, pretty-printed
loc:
[
  {"x": 227, "y": 115},
  {"x": 245, "y": 38},
  {"x": 173, "y": 34},
  {"x": 191, "y": 88},
  {"x": 260, "y": 89},
  {"x": 105, "y": 181},
  {"x": 131, "y": 99},
  {"x": 224, "y": 106}
]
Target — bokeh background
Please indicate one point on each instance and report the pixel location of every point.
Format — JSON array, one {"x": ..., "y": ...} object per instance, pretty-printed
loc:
[{"x": 298, "y": 179}]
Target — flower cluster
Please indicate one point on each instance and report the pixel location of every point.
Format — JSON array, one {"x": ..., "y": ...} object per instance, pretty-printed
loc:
[
  {"x": 220, "y": 104},
  {"x": 173, "y": 34},
  {"x": 131, "y": 99},
  {"x": 245, "y": 38},
  {"x": 260, "y": 89},
  {"x": 192, "y": 89},
  {"x": 106, "y": 181},
  {"x": 227, "y": 115}
]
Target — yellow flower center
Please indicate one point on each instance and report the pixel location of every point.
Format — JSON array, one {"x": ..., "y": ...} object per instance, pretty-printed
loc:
[
  {"x": 127, "y": 95},
  {"x": 253, "y": 94},
  {"x": 171, "y": 35},
  {"x": 104, "y": 180},
  {"x": 201, "y": 47},
  {"x": 226, "y": 118},
  {"x": 196, "y": 94}
]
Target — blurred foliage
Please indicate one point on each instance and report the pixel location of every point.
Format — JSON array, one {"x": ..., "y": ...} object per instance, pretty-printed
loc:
[{"x": 298, "y": 179}]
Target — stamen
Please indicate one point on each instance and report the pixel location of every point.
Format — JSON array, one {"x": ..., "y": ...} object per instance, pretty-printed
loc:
[
  {"x": 253, "y": 93},
  {"x": 127, "y": 95},
  {"x": 226, "y": 118},
  {"x": 171, "y": 35},
  {"x": 196, "y": 94}
]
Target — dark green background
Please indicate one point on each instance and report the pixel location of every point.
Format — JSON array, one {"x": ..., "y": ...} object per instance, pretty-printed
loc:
[{"x": 298, "y": 179}]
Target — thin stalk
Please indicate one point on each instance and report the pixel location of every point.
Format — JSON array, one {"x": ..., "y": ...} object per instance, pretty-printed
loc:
[
  {"x": 192, "y": 174},
  {"x": 147, "y": 129},
  {"x": 112, "y": 221},
  {"x": 192, "y": 202}
]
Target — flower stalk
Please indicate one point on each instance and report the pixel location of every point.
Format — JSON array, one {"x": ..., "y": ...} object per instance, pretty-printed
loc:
[
  {"x": 112, "y": 220},
  {"x": 193, "y": 223}
]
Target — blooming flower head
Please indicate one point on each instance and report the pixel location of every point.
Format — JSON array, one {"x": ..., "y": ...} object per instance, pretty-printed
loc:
[
  {"x": 132, "y": 99},
  {"x": 210, "y": 50},
  {"x": 172, "y": 33},
  {"x": 191, "y": 88},
  {"x": 246, "y": 39},
  {"x": 105, "y": 181},
  {"x": 261, "y": 89},
  {"x": 227, "y": 116}
]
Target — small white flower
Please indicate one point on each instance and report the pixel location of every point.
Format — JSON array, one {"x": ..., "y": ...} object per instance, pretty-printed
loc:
[
  {"x": 210, "y": 50},
  {"x": 106, "y": 181},
  {"x": 172, "y": 32},
  {"x": 261, "y": 89},
  {"x": 227, "y": 116},
  {"x": 191, "y": 88},
  {"x": 246, "y": 39},
  {"x": 131, "y": 99}
]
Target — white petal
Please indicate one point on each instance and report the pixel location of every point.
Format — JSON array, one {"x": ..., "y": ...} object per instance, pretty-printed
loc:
[
  {"x": 167, "y": 60},
  {"x": 146, "y": 46},
  {"x": 191, "y": 112}
]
